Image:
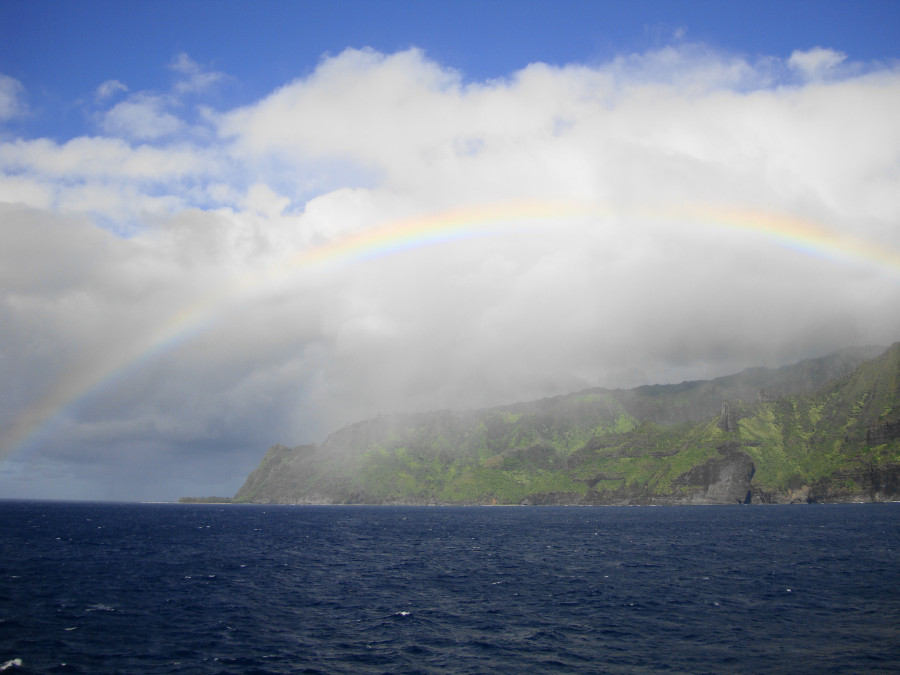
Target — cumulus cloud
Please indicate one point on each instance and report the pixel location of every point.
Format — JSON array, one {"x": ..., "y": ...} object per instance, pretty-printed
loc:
[
  {"x": 154, "y": 115},
  {"x": 85, "y": 157},
  {"x": 119, "y": 183},
  {"x": 671, "y": 215},
  {"x": 816, "y": 62},
  {"x": 11, "y": 98},
  {"x": 108, "y": 89},
  {"x": 142, "y": 117},
  {"x": 194, "y": 77}
]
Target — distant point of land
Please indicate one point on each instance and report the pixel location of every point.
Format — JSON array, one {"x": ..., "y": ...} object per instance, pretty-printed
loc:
[{"x": 205, "y": 500}]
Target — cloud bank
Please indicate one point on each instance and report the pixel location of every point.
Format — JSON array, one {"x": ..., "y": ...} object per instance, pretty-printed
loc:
[{"x": 182, "y": 288}]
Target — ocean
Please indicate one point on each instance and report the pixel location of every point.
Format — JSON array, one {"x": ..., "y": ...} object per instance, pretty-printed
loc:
[{"x": 197, "y": 588}]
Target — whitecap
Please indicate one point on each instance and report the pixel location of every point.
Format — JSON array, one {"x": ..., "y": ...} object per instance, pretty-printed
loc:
[{"x": 99, "y": 607}]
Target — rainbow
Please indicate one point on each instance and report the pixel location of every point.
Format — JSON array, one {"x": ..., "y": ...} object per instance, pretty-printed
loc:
[
  {"x": 802, "y": 236},
  {"x": 434, "y": 229}
]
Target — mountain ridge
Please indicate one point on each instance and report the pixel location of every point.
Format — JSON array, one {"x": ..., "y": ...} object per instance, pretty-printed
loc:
[{"x": 825, "y": 429}]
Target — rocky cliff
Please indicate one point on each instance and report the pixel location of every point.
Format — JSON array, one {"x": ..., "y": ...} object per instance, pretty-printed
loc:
[{"x": 821, "y": 430}]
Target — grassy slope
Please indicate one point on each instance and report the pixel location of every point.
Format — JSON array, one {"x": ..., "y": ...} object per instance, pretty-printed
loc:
[{"x": 803, "y": 439}]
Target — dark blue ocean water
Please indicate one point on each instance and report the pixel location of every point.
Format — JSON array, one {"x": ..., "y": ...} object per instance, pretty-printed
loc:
[{"x": 168, "y": 588}]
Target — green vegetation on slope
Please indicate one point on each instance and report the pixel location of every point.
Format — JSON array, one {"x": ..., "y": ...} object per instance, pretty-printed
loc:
[{"x": 669, "y": 443}]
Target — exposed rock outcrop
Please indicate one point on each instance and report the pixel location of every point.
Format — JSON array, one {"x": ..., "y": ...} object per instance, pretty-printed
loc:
[
  {"x": 728, "y": 418},
  {"x": 723, "y": 480},
  {"x": 882, "y": 433}
]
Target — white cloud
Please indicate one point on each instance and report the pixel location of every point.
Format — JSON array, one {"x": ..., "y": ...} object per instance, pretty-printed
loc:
[
  {"x": 25, "y": 190},
  {"x": 153, "y": 116},
  {"x": 11, "y": 93},
  {"x": 262, "y": 199},
  {"x": 141, "y": 117},
  {"x": 683, "y": 120},
  {"x": 101, "y": 157},
  {"x": 816, "y": 62},
  {"x": 108, "y": 89},
  {"x": 689, "y": 215},
  {"x": 120, "y": 184},
  {"x": 195, "y": 78}
]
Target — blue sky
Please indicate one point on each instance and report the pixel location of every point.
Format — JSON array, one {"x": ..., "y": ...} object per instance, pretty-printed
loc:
[
  {"x": 64, "y": 50},
  {"x": 199, "y": 207}
]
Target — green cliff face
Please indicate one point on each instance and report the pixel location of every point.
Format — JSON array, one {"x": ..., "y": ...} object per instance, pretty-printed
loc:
[{"x": 821, "y": 430}]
